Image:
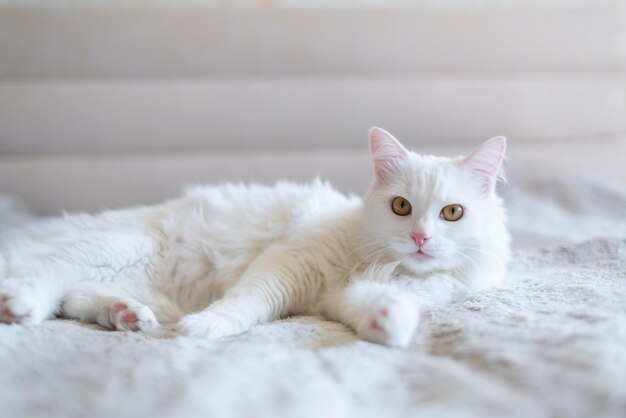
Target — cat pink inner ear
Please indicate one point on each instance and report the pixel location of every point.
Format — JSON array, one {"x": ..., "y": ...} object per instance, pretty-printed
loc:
[
  {"x": 387, "y": 153},
  {"x": 485, "y": 163}
]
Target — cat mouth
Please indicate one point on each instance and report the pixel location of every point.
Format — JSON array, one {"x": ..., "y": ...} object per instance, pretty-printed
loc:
[{"x": 422, "y": 255}]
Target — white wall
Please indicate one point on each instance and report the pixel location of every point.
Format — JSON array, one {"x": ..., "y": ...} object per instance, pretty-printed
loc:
[{"x": 140, "y": 100}]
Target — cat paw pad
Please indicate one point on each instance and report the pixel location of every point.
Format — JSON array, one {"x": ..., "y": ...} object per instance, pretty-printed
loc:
[
  {"x": 18, "y": 304},
  {"x": 392, "y": 321},
  {"x": 131, "y": 316}
]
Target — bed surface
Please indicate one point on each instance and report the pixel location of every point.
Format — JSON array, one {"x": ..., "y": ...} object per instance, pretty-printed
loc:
[
  {"x": 551, "y": 342},
  {"x": 111, "y": 103}
]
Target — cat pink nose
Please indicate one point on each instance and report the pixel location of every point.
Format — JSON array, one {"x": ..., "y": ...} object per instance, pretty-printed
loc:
[{"x": 420, "y": 237}]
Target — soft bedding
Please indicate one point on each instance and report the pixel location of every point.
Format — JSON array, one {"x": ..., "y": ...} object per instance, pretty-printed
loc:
[{"x": 550, "y": 343}]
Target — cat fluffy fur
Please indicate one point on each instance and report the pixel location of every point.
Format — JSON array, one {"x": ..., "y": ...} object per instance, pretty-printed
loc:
[{"x": 221, "y": 259}]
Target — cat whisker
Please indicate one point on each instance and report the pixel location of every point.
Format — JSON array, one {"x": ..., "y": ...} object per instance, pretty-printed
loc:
[
  {"x": 484, "y": 251},
  {"x": 378, "y": 252},
  {"x": 469, "y": 259}
]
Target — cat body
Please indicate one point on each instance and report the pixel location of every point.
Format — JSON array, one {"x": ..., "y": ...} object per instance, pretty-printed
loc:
[{"x": 223, "y": 258}]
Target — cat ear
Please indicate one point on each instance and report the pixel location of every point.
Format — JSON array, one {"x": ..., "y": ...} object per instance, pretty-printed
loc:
[
  {"x": 485, "y": 163},
  {"x": 387, "y": 153}
]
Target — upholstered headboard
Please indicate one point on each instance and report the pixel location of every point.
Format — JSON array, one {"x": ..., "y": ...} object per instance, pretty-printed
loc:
[{"x": 123, "y": 102}]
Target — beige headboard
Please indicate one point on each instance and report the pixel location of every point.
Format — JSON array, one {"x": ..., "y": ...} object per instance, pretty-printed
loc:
[{"x": 114, "y": 105}]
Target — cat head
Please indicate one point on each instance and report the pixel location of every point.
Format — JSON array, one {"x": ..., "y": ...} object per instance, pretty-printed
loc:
[{"x": 433, "y": 213}]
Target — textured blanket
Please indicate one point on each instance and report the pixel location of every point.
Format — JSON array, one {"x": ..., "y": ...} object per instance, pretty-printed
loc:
[{"x": 550, "y": 343}]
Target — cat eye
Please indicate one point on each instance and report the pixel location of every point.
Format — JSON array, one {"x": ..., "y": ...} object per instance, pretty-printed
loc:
[
  {"x": 400, "y": 206},
  {"x": 452, "y": 213}
]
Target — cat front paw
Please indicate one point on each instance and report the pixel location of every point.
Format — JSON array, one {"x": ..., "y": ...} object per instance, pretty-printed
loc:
[
  {"x": 392, "y": 321},
  {"x": 129, "y": 315},
  {"x": 18, "y": 303},
  {"x": 206, "y": 325}
]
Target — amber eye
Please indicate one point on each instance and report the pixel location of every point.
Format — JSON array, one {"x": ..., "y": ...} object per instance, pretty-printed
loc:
[
  {"x": 400, "y": 206},
  {"x": 452, "y": 212}
]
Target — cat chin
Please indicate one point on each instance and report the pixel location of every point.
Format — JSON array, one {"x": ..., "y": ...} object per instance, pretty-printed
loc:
[
  {"x": 420, "y": 264},
  {"x": 423, "y": 264}
]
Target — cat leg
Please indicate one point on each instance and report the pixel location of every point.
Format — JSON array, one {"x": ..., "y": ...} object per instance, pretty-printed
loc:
[
  {"x": 377, "y": 312},
  {"x": 29, "y": 301},
  {"x": 278, "y": 283},
  {"x": 231, "y": 315},
  {"x": 92, "y": 302}
]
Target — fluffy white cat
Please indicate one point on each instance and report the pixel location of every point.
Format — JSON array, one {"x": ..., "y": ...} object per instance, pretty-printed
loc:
[{"x": 222, "y": 259}]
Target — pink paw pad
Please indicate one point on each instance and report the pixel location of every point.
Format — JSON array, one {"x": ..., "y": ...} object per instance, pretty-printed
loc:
[
  {"x": 130, "y": 317},
  {"x": 392, "y": 321},
  {"x": 8, "y": 314},
  {"x": 18, "y": 303}
]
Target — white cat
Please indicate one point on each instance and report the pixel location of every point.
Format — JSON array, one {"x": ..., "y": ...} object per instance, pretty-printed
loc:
[{"x": 221, "y": 259}]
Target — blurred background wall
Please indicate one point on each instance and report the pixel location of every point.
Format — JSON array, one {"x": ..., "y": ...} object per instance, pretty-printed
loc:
[{"x": 111, "y": 103}]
